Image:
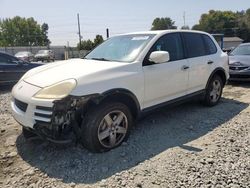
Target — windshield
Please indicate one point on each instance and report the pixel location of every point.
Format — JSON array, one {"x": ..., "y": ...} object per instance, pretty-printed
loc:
[
  {"x": 241, "y": 50},
  {"x": 43, "y": 52},
  {"x": 123, "y": 48}
]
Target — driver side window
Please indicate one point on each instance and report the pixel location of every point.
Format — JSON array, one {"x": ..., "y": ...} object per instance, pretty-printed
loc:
[{"x": 173, "y": 44}]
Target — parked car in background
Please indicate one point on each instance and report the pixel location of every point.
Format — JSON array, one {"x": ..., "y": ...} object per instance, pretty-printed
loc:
[
  {"x": 228, "y": 50},
  {"x": 239, "y": 63},
  {"x": 12, "y": 68},
  {"x": 97, "y": 99},
  {"x": 45, "y": 55},
  {"x": 25, "y": 56}
]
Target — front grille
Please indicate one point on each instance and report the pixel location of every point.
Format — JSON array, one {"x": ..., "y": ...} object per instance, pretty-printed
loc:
[
  {"x": 240, "y": 76},
  {"x": 21, "y": 105},
  {"x": 43, "y": 114},
  {"x": 237, "y": 68}
]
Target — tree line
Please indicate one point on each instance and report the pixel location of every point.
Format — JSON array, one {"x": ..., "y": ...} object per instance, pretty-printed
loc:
[
  {"x": 20, "y": 31},
  {"x": 228, "y": 23}
]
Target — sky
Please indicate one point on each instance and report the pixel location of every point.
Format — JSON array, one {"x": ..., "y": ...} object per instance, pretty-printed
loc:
[{"x": 120, "y": 16}]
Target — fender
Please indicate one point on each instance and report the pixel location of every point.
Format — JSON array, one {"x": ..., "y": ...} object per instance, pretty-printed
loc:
[
  {"x": 214, "y": 72},
  {"x": 125, "y": 92}
]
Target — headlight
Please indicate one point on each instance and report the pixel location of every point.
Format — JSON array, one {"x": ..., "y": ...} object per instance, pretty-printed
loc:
[{"x": 57, "y": 91}]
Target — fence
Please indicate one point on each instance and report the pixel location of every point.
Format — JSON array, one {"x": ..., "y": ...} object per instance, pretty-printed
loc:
[{"x": 59, "y": 51}]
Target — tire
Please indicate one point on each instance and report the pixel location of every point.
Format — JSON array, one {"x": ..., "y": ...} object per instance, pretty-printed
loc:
[
  {"x": 106, "y": 126},
  {"x": 28, "y": 134},
  {"x": 213, "y": 91}
]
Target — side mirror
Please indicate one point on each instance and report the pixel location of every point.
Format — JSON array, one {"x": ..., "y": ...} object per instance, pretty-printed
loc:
[{"x": 159, "y": 57}]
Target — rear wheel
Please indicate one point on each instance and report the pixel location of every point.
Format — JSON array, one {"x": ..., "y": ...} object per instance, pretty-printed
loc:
[
  {"x": 106, "y": 126},
  {"x": 213, "y": 91}
]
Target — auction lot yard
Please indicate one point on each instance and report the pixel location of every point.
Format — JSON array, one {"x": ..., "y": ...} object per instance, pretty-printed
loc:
[{"x": 184, "y": 146}]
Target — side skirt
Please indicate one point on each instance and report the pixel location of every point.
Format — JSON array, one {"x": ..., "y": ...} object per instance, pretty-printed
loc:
[{"x": 174, "y": 102}]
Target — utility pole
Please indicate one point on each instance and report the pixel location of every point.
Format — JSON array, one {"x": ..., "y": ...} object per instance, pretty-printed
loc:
[
  {"x": 79, "y": 31},
  {"x": 107, "y": 32},
  {"x": 184, "y": 18}
]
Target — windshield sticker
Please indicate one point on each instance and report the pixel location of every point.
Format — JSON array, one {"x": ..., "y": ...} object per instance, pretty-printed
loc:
[{"x": 140, "y": 38}]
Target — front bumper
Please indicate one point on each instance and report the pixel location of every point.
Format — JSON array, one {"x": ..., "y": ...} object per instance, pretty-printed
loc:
[
  {"x": 36, "y": 109},
  {"x": 50, "y": 119},
  {"x": 239, "y": 75}
]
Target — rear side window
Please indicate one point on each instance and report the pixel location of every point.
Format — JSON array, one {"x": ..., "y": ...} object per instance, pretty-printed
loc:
[
  {"x": 210, "y": 46},
  {"x": 171, "y": 43},
  {"x": 194, "y": 44},
  {"x": 5, "y": 59}
]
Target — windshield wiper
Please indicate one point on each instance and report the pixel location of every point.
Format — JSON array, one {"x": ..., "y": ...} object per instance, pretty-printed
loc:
[{"x": 100, "y": 59}]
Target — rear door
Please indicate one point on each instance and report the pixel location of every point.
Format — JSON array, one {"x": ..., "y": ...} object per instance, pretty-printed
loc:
[{"x": 199, "y": 61}]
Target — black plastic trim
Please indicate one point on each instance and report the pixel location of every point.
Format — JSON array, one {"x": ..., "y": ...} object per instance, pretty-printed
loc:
[
  {"x": 214, "y": 72},
  {"x": 21, "y": 105},
  {"x": 123, "y": 91},
  {"x": 174, "y": 101},
  {"x": 43, "y": 115},
  {"x": 44, "y": 108}
]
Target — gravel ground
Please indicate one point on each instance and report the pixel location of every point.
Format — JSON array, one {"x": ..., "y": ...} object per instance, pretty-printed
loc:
[{"x": 185, "y": 146}]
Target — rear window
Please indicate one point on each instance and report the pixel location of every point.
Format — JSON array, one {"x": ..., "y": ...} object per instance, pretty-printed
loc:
[
  {"x": 195, "y": 45},
  {"x": 210, "y": 46}
]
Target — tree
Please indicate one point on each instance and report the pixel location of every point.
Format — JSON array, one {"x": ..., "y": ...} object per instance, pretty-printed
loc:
[
  {"x": 218, "y": 22},
  {"x": 89, "y": 45},
  {"x": 98, "y": 40},
  {"x": 186, "y": 27},
  {"x": 244, "y": 25},
  {"x": 45, "y": 28},
  {"x": 226, "y": 22},
  {"x": 86, "y": 45},
  {"x": 163, "y": 23},
  {"x": 19, "y": 31}
]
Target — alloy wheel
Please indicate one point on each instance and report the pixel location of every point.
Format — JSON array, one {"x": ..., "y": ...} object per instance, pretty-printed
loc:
[
  {"x": 112, "y": 129},
  {"x": 215, "y": 91}
]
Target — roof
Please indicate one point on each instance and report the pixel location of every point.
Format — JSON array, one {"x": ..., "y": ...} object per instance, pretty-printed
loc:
[
  {"x": 232, "y": 39},
  {"x": 245, "y": 44},
  {"x": 156, "y": 32}
]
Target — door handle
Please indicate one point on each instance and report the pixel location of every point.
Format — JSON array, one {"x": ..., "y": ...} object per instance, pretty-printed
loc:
[
  {"x": 184, "y": 67},
  {"x": 210, "y": 62}
]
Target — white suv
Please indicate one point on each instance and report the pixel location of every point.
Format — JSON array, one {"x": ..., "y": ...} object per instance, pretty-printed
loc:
[{"x": 95, "y": 100}]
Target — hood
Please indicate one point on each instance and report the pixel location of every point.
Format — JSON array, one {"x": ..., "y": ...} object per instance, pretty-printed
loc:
[
  {"x": 239, "y": 60},
  {"x": 52, "y": 73}
]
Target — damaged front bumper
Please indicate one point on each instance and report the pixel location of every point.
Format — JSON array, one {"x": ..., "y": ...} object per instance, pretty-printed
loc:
[{"x": 58, "y": 122}]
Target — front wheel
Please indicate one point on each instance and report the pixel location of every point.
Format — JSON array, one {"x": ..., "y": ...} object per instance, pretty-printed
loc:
[
  {"x": 106, "y": 126},
  {"x": 213, "y": 91},
  {"x": 28, "y": 134}
]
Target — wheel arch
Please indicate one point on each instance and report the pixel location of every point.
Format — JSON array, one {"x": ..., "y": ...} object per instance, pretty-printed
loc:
[
  {"x": 218, "y": 71},
  {"x": 122, "y": 95}
]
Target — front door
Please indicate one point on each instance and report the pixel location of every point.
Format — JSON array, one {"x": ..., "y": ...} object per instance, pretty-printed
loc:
[{"x": 169, "y": 80}]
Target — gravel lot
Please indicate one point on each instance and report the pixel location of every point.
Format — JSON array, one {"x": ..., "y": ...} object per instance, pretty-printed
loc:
[{"x": 185, "y": 146}]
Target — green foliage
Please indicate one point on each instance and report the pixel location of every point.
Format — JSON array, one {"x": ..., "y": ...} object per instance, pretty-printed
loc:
[
  {"x": 89, "y": 45},
  {"x": 19, "y": 31},
  {"x": 98, "y": 40},
  {"x": 186, "y": 27},
  {"x": 227, "y": 22},
  {"x": 163, "y": 23}
]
